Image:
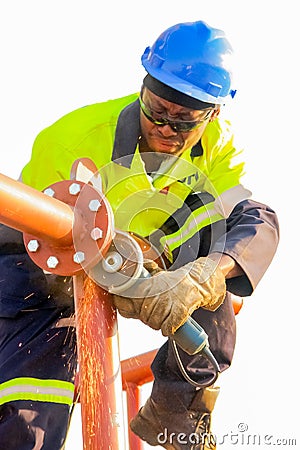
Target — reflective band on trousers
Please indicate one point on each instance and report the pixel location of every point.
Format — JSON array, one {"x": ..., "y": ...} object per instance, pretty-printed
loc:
[
  {"x": 198, "y": 219},
  {"x": 53, "y": 391}
]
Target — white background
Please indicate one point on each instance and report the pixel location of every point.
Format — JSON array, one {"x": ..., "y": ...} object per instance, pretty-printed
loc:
[{"x": 62, "y": 54}]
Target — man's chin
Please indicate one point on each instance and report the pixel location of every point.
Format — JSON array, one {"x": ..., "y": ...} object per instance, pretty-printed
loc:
[{"x": 166, "y": 148}]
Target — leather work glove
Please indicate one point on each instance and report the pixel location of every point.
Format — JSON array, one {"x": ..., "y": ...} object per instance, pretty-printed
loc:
[{"x": 166, "y": 299}]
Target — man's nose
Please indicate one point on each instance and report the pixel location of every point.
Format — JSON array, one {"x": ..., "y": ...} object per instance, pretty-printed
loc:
[{"x": 167, "y": 130}]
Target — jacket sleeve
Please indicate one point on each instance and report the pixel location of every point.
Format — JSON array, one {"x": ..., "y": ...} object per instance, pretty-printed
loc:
[{"x": 252, "y": 236}]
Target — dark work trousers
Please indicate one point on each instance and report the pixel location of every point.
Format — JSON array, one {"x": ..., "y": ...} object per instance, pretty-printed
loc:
[
  {"x": 170, "y": 389},
  {"x": 33, "y": 347}
]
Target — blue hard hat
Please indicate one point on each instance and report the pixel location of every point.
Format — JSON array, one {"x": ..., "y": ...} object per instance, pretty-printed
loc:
[{"x": 194, "y": 59}]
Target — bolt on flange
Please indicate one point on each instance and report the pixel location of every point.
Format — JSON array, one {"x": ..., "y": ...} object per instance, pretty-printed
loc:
[
  {"x": 33, "y": 245},
  {"x": 74, "y": 188},
  {"x": 52, "y": 262},
  {"x": 49, "y": 191},
  {"x": 96, "y": 233},
  {"x": 94, "y": 205},
  {"x": 79, "y": 257}
]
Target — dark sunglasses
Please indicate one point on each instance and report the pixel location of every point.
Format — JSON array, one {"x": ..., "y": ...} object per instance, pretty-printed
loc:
[{"x": 181, "y": 127}]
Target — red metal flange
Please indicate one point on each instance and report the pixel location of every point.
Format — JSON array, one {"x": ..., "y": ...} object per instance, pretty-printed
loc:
[{"x": 89, "y": 238}]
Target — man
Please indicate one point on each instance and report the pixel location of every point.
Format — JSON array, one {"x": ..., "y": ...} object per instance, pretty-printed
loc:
[{"x": 168, "y": 168}]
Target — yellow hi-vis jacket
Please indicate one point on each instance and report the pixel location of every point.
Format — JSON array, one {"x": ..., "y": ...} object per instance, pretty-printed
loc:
[{"x": 108, "y": 133}]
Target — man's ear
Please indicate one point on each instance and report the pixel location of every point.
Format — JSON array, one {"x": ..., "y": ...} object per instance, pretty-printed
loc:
[{"x": 215, "y": 113}]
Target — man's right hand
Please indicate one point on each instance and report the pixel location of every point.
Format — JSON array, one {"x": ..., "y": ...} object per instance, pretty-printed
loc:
[{"x": 166, "y": 299}]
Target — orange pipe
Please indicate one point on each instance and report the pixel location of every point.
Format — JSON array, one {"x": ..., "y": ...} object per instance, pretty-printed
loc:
[
  {"x": 136, "y": 371},
  {"x": 99, "y": 367},
  {"x": 237, "y": 303},
  {"x": 133, "y": 397},
  {"x": 28, "y": 210}
]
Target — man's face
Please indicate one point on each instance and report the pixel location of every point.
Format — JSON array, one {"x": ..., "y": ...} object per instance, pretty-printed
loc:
[{"x": 170, "y": 128}]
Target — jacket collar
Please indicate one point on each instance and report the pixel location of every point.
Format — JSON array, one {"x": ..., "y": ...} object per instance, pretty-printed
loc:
[{"x": 127, "y": 134}]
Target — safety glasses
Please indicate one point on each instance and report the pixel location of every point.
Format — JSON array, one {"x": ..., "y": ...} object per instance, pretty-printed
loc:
[{"x": 182, "y": 126}]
